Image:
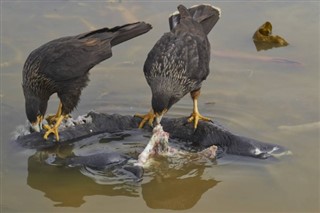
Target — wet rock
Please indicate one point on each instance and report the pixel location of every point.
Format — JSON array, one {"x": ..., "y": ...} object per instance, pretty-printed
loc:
[
  {"x": 206, "y": 135},
  {"x": 264, "y": 40},
  {"x": 210, "y": 140}
]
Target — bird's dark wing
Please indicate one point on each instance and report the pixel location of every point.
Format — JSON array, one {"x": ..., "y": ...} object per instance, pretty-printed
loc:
[
  {"x": 198, "y": 57},
  {"x": 119, "y": 34},
  {"x": 203, "y": 54},
  {"x": 72, "y": 58},
  {"x": 206, "y": 15}
]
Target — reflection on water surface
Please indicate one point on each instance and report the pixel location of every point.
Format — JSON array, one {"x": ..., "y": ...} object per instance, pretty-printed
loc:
[{"x": 178, "y": 182}]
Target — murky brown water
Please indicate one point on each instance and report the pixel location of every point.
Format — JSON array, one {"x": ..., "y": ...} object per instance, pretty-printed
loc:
[{"x": 251, "y": 93}]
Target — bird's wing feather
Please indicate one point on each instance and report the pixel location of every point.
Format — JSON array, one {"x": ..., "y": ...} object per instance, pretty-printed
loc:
[
  {"x": 73, "y": 58},
  {"x": 201, "y": 71}
]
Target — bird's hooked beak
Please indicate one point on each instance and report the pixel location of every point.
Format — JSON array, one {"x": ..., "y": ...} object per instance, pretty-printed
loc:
[
  {"x": 159, "y": 116},
  {"x": 37, "y": 126}
]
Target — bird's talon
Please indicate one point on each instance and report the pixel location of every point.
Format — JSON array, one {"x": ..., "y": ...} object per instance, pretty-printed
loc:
[
  {"x": 147, "y": 117},
  {"x": 142, "y": 124},
  {"x": 53, "y": 129},
  {"x": 139, "y": 115},
  {"x": 190, "y": 119},
  {"x": 50, "y": 130},
  {"x": 151, "y": 122},
  {"x": 51, "y": 119},
  {"x": 196, "y": 117},
  {"x": 46, "y": 127}
]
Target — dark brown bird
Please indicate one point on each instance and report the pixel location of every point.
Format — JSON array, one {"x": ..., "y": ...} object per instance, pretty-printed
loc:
[
  {"x": 62, "y": 66},
  {"x": 179, "y": 61}
]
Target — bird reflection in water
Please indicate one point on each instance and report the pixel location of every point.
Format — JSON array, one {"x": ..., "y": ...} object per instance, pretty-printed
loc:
[
  {"x": 177, "y": 187},
  {"x": 170, "y": 184},
  {"x": 67, "y": 186}
]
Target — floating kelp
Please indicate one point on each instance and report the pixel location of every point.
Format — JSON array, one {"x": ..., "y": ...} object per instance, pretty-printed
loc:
[{"x": 264, "y": 40}]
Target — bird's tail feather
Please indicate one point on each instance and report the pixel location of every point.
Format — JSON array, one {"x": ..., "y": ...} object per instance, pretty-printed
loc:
[
  {"x": 118, "y": 34},
  {"x": 129, "y": 31},
  {"x": 183, "y": 11},
  {"x": 206, "y": 15}
]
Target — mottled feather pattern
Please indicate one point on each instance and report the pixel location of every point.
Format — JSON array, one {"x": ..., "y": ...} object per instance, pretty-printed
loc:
[
  {"x": 178, "y": 62},
  {"x": 36, "y": 79},
  {"x": 177, "y": 59}
]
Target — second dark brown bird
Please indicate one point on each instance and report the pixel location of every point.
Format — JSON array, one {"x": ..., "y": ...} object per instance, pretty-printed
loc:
[
  {"x": 62, "y": 66},
  {"x": 179, "y": 61}
]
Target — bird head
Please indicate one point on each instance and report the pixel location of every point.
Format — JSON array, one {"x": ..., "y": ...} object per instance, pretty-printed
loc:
[
  {"x": 32, "y": 107},
  {"x": 165, "y": 93},
  {"x": 160, "y": 105}
]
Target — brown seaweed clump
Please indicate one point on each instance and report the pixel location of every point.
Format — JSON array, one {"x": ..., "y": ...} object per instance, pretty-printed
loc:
[{"x": 264, "y": 40}]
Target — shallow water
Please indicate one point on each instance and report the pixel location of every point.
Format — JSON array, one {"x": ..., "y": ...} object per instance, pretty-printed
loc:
[{"x": 271, "y": 96}]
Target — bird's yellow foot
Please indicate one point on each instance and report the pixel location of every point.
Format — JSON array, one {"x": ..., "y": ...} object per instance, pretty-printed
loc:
[
  {"x": 147, "y": 117},
  {"x": 196, "y": 117},
  {"x": 52, "y": 119},
  {"x": 51, "y": 129}
]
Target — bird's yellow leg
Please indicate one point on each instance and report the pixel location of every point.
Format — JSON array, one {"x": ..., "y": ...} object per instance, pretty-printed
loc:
[
  {"x": 147, "y": 117},
  {"x": 39, "y": 119},
  {"x": 37, "y": 126},
  {"x": 53, "y": 129},
  {"x": 51, "y": 119},
  {"x": 195, "y": 115}
]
